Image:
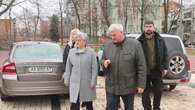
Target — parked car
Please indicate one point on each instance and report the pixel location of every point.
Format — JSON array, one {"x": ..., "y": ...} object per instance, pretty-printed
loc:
[
  {"x": 178, "y": 63},
  {"x": 33, "y": 68}
]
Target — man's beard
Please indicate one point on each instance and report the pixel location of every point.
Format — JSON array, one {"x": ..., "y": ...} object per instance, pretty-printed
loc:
[{"x": 148, "y": 33}]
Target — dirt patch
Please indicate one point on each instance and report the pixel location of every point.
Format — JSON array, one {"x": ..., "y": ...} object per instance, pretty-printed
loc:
[{"x": 190, "y": 51}]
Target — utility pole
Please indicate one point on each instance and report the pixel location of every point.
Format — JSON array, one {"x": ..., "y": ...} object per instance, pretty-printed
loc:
[{"x": 180, "y": 30}]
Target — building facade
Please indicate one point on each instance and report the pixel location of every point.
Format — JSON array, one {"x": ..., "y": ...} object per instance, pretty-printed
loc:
[
  {"x": 6, "y": 29},
  {"x": 189, "y": 23}
]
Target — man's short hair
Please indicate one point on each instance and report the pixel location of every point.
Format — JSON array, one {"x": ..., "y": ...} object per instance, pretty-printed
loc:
[
  {"x": 148, "y": 22},
  {"x": 118, "y": 27}
]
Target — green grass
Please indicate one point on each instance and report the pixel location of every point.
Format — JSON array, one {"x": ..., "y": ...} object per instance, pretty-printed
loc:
[{"x": 190, "y": 51}]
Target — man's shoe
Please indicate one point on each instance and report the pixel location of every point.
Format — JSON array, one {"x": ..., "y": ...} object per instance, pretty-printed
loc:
[{"x": 83, "y": 104}]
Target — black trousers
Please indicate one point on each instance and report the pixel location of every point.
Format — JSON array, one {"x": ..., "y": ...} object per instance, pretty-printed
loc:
[
  {"x": 76, "y": 106},
  {"x": 153, "y": 84},
  {"x": 114, "y": 100}
]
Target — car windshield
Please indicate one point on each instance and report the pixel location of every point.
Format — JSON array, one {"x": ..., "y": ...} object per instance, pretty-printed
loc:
[
  {"x": 173, "y": 44},
  {"x": 37, "y": 51}
]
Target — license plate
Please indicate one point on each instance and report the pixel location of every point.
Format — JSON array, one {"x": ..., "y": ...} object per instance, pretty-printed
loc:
[{"x": 40, "y": 69}]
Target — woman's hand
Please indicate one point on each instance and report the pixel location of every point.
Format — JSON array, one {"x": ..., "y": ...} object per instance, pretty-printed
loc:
[{"x": 93, "y": 87}]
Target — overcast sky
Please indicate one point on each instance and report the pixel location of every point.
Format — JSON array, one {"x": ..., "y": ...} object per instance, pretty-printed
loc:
[
  {"x": 188, "y": 2},
  {"x": 50, "y": 7}
]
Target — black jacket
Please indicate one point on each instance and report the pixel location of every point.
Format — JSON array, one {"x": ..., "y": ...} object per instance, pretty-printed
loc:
[
  {"x": 66, "y": 51},
  {"x": 160, "y": 49}
]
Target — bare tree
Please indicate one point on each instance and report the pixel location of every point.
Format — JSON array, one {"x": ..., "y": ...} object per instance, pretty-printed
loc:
[
  {"x": 5, "y": 5},
  {"x": 37, "y": 17},
  {"x": 76, "y": 7},
  {"x": 142, "y": 14},
  {"x": 125, "y": 3},
  {"x": 104, "y": 5},
  {"x": 94, "y": 20},
  {"x": 26, "y": 20},
  {"x": 166, "y": 11},
  {"x": 26, "y": 24},
  {"x": 89, "y": 16},
  {"x": 44, "y": 28},
  {"x": 147, "y": 9},
  {"x": 12, "y": 21},
  {"x": 61, "y": 21},
  {"x": 174, "y": 19},
  {"x": 123, "y": 11}
]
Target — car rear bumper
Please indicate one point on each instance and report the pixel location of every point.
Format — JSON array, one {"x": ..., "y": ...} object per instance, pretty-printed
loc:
[
  {"x": 183, "y": 80},
  {"x": 25, "y": 88}
]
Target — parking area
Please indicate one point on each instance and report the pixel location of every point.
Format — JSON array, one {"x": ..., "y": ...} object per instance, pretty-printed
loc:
[
  {"x": 182, "y": 98},
  {"x": 192, "y": 62}
]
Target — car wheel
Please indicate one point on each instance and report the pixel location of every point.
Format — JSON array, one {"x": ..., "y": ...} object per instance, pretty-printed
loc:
[
  {"x": 169, "y": 87},
  {"x": 4, "y": 98},
  {"x": 176, "y": 65}
]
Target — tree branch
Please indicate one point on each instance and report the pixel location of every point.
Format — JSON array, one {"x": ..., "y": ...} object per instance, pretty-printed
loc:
[
  {"x": 19, "y": 2},
  {"x": 7, "y": 8}
]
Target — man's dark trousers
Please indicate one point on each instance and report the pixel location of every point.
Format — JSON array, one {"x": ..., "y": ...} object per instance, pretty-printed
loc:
[
  {"x": 113, "y": 100},
  {"x": 154, "y": 84}
]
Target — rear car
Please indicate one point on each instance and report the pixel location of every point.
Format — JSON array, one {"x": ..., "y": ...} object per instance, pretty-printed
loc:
[
  {"x": 178, "y": 63},
  {"x": 33, "y": 68}
]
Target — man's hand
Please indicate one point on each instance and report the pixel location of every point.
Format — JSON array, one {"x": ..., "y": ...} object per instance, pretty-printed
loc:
[
  {"x": 164, "y": 73},
  {"x": 106, "y": 63},
  {"x": 140, "y": 90},
  {"x": 93, "y": 87}
]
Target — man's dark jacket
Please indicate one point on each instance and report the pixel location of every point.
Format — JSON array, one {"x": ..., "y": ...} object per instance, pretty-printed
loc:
[
  {"x": 160, "y": 49},
  {"x": 127, "y": 70}
]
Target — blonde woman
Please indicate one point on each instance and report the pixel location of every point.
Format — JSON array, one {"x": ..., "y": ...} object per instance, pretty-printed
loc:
[{"x": 70, "y": 44}]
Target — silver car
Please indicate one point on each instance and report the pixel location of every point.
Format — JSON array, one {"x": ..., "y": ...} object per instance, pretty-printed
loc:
[{"x": 33, "y": 68}]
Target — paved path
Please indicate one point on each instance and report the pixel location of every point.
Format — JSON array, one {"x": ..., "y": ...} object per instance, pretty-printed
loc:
[
  {"x": 182, "y": 98},
  {"x": 192, "y": 62}
]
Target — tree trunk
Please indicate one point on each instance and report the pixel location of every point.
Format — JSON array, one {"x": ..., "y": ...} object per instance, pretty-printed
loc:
[
  {"x": 61, "y": 22},
  {"x": 104, "y": 7},
  {"x": 142, "y": 15},
  {"x": 77, "y": 13},
  {"x": 37, "y": 18},
  {"x": 89, "y": 15},
  {"x": 166, "y": 11}
]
